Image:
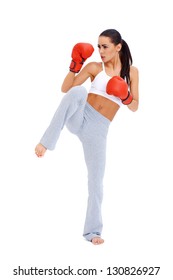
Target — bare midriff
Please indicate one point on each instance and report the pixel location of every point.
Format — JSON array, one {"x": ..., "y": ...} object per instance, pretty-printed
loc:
[{"x": 103, "y": 105}]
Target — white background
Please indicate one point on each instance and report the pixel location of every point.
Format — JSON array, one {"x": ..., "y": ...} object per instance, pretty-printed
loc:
[{"x": 43, "y": 201}]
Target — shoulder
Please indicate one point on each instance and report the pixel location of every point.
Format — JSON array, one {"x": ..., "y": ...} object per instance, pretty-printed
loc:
[
  {"x": 90, "y": 70},
  {"x": 134, "y": 73},
  {"x": 94, "y": 68},
  {"x": 133, "y": 70}
]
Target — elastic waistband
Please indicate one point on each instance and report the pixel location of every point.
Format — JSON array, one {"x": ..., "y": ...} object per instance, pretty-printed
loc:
[{"x": 97, "y": 115}]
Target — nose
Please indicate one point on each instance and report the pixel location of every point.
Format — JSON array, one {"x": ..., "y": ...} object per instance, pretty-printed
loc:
[{"x": 101, "y": 50}]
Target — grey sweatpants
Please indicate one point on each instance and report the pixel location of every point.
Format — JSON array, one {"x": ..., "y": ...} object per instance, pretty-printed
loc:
[{"x": 91, "y": 127}]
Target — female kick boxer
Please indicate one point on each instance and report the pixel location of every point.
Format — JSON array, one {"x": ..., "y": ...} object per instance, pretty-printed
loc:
[{"x": 114, "y": 83}]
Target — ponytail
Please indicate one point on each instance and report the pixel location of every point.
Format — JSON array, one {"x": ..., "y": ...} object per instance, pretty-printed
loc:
[{"x": 126, "y": 60}]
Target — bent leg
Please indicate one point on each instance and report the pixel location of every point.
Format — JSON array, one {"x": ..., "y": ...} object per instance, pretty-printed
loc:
[{"x": 72, "y": 103}]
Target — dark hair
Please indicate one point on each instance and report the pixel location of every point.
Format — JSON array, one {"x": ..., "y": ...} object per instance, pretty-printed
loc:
[{"x": 125, "y": 55}]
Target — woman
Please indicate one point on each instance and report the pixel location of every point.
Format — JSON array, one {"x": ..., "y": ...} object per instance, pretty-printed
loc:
[{"x": 114, "y": 82}]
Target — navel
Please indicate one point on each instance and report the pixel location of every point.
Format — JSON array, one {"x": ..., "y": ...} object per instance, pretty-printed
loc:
[{"x": 100, "y": 107}]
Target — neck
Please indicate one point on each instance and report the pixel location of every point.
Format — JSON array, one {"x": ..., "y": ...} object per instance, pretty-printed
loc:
[{"x": 114, "y": 66}]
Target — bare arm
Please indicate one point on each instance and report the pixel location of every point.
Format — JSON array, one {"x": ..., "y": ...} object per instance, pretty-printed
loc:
[
  {"x": 134, "y": 82},
  {"x": 73, "y": 79},
  {"x": 68, "y": 82}
]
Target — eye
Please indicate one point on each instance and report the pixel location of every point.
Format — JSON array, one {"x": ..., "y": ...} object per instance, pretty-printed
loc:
[{"x": 102, "y": 46}]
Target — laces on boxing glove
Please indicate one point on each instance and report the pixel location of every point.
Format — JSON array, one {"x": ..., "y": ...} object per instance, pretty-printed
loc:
[
  {"x": 76, "y": 66},
  {"x": 128, "y": 99}
]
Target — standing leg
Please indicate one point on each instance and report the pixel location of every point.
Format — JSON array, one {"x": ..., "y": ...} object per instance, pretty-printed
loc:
[
  {"x": 72, "y": 104},
  {"x": 93, "y": 137},
  {"x": 95, "y": 161}
]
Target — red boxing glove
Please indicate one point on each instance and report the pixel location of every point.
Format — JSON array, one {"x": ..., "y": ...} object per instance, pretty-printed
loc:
[
  {"x": 80, "y": 53},
  {"x": 119, "y": 88}
]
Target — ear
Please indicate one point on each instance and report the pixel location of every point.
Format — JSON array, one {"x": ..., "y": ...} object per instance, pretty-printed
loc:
[{"x": 118, "y": 47}]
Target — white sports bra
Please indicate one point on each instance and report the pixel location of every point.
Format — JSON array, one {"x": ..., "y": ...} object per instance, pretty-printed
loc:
[{"x": 98, "y": 86}]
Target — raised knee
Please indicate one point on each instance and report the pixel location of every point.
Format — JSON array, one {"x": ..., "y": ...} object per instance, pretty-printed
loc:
[{"x": 78, "y": 90}]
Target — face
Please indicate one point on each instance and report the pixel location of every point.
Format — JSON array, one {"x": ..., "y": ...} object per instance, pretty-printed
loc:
[{"x": 108, "y": 51}]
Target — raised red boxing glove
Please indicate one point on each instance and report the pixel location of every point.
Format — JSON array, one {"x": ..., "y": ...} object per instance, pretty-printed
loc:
[
  {"x": 80, "y": 53},
  {"x": 118, "y": 87}
]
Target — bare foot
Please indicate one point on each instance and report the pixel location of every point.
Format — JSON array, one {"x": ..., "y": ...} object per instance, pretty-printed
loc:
[
  {"x": 97, "y": 240},
  {"x": 40, "y": 150}
]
